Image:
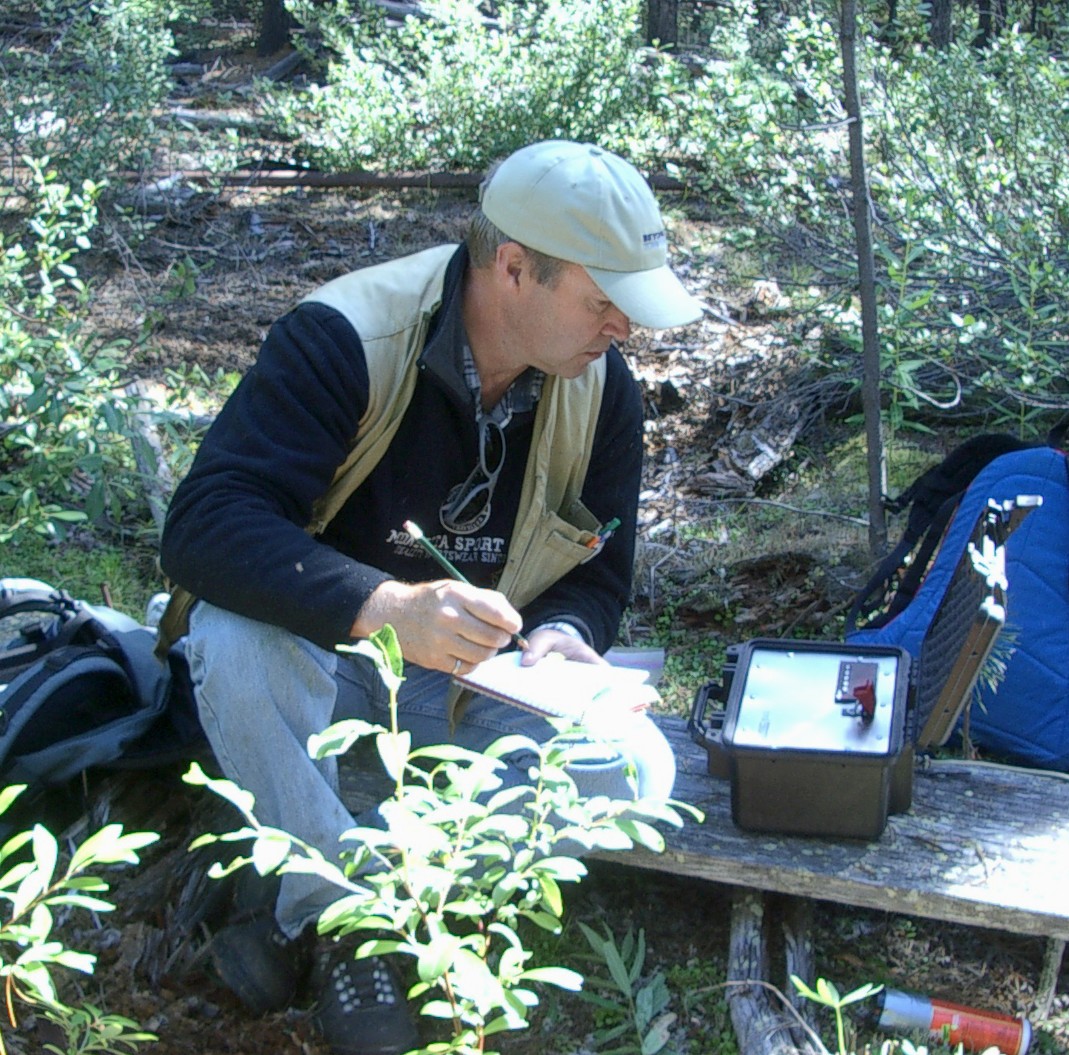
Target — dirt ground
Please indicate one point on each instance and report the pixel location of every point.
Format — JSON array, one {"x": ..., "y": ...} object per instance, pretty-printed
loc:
[{"x": 198, "y": 288}]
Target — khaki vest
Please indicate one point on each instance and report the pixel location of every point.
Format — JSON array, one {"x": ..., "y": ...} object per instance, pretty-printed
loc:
[
  {"x": 391, "y": 307},
  {"x": 552, "y": 526}
]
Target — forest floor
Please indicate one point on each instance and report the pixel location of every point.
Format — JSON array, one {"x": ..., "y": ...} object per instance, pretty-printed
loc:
[{"x": 722, "y": 557}]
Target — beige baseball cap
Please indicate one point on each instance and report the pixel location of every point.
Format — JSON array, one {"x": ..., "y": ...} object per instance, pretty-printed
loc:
[{"x": 579, "y": 203}]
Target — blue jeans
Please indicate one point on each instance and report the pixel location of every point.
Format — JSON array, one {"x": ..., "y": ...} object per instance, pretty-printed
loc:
[{"x": 262, "y": 691}]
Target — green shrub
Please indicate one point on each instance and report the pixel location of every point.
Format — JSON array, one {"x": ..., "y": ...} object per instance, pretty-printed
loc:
[
  {"x": 462, "y": 867},
  {"x": 65, "y": 453},
  {"x": 764, "y": 126},
  {"x": 971, "y": 216},
  {"x": 33, "y": 884},
  {"x": 452, "y": 91},
  {"x": 87, "y": 99},
  {"x": 978, "y": 216}
]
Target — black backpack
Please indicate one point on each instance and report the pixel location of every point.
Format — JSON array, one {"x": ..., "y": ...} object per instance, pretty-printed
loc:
[
  {"x": 80, "y": 688},
  {"x": 932, "y": 499}
]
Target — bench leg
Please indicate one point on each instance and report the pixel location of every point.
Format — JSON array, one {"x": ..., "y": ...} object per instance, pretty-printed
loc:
[
  {"x": 1048, "y": 977},
  {"x": 764, "y": 1021},
  {"x": 797, "y": 915}
]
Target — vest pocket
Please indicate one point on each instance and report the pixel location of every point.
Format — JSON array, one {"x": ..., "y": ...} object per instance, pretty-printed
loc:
[{"x": 554, "y": 547}]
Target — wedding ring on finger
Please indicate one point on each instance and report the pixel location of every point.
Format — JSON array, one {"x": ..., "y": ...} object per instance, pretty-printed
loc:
[{"x": 456, "y": 666}]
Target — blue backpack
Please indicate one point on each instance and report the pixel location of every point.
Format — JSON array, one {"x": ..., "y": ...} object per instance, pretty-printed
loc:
[{"x": 1024, "y": 718}]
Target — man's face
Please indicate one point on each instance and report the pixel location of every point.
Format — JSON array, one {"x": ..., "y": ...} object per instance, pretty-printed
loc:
[{"x": 566, "y": 326}]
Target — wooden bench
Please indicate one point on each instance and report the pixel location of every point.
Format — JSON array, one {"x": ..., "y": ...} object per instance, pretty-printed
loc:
[{"x": 982, "y": 845}]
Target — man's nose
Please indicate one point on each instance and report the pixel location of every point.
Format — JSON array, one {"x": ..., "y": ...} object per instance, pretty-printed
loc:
[{"x": 617, "y": 325}]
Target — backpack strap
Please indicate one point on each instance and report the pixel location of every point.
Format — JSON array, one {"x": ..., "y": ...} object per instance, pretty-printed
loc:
[
  {"x": 931, "y": 500},
  {"x": 73, "y": 622},
  {"x": 870, "y": 596},
  {"x": 914, "y": 574}
]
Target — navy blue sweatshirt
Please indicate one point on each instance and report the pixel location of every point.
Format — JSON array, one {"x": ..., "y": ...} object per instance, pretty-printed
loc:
[{"x": 235, "y": 529}]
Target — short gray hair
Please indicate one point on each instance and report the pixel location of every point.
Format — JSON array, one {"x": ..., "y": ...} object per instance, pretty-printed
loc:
[{"x": 484, "y": 238}]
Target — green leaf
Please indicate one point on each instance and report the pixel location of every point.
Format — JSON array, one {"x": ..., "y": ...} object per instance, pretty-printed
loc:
[
  {"x": 512, "y": 744},
  {"x": 110, "y": 846},
  {"x": 393, "y": 750},
  {"x": 352, "y": 907},
  {"x": 383, "y": 649},
  {"x": 436, "y": 957},
  {"x": 644, "y": 834},
  {"x": 543, "y": 920},
  {"x": 561, "y": 977},
  {"x": 804, "y": 989},
  {"x": 551, "y": 895},
  {"x": 474, "y": 977},
  {"x": 450, "y": 753},
  {"x": 75, "y": 961},
  {"x": 84, "y": 882},
  {"x": 609, "y": 839},
  {"x": 597, "y": 942},
  {"x": 639, "y": 958},
  {"x": 269, "y": 851},
  {"x": 91, "y": 904},
  {"x": 659, "y": 1035},
  {"x": 35, "y": 879},
  {"x": 617, "y": 968},
  {"x": 245, "y": 801},
  {"x": 339, "y": 737},
  {"x": 9, "y": 794},
  {"x": 382, "y": 947},
  {"x": 861, "y": 993},
  {"x": 36, "y": 977},
  {"x": 386, "y": 639},
  {"x": 567, "y": 869},
  {"x": 14, "y": 844},
  {"x": 438, "y": 1009},
  {"x": 17, "y": 873}
]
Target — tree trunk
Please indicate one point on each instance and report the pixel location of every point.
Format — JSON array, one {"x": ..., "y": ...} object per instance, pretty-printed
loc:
[
  {"x": 866, "y": 273},
  {"x": 276, "y": 23},
  {"x": 662, "y": 21},
  {"x": 1041, "y": 20},
  {"x": 888, "y": 33},
  {"x": 760, "y": 1026},
  {"x": 941, "y": 23},
  {"x": 992, "y": 19}
]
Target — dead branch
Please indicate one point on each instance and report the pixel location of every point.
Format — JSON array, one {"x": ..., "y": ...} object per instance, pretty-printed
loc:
[{"x": 266, "y": 176}]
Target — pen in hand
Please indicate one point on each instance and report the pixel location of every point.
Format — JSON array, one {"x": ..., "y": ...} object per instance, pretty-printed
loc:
[{"x": 417, "y": 533}]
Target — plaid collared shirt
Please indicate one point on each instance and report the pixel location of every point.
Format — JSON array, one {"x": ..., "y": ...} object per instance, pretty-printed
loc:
[{"x": 522, "y": 395}]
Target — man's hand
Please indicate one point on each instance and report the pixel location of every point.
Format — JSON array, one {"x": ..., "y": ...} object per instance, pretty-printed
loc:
[
  {"x": 440, "y": 622},
  {"x": 547, "y": 640}
]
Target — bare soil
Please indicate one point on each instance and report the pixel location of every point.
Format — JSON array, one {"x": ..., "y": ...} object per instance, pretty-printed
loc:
[{"x": 198, "y": 288}]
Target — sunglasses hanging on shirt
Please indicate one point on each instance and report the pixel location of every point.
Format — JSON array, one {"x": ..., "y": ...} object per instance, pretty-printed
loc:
[{"x": 467, "y": 506}]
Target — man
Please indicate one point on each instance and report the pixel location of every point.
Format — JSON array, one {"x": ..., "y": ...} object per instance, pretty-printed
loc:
[{"x": 491, "y": 407}]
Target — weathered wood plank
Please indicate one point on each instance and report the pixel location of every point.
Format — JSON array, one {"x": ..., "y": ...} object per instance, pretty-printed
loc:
[{"x": 982, "y": 846}]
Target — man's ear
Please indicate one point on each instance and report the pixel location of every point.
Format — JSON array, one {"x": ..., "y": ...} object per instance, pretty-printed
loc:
[{"x": 511, "y": 263}]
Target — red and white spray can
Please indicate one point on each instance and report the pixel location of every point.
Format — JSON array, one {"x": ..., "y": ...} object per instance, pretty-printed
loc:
[{"x": 974, "y": 1029}]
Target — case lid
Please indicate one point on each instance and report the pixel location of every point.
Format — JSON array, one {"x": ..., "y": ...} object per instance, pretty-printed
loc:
[
  {"x": 967, "y": 623},
  {"x": 803, "y": 698}
]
